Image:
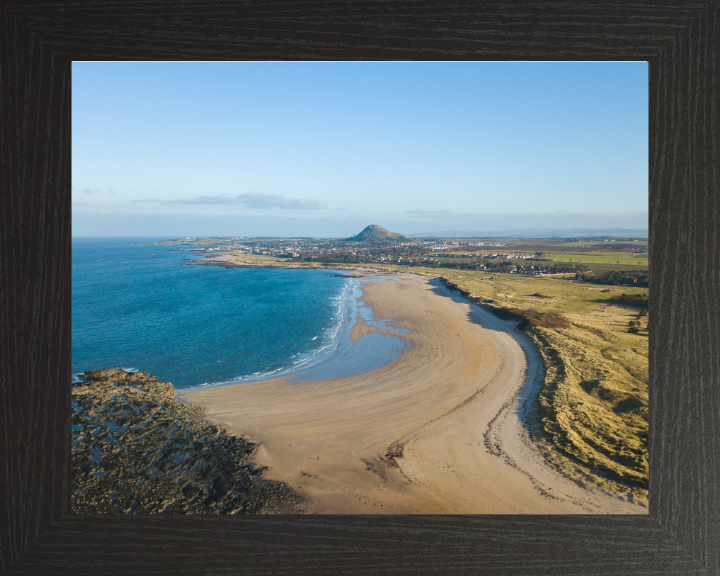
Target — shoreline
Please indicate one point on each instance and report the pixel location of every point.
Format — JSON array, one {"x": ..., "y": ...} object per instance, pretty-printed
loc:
[
  {"x": 392, "y": 439},
  {"x": 345, "y": 354}
]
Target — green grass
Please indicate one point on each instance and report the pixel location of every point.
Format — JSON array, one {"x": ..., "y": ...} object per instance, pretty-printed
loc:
[
  {"x": 597, "y": 262},
  {"x": 624, "y": 258},
  {"x": 595, "y": 267},
  {"x": 582, "y": 243}
]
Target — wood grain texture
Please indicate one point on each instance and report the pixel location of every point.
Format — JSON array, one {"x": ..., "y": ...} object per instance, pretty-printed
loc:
[{"x": 681, "y": 42}]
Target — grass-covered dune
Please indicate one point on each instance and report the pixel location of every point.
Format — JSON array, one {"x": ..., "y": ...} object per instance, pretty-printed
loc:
[{"x": 591, "y": 416}]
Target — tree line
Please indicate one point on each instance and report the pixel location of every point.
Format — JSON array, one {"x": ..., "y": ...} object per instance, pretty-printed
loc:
[{"x": 614, "y": 278}]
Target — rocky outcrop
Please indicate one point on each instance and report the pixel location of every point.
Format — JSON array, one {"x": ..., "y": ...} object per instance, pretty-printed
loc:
[{"x": 136, "y": 449}]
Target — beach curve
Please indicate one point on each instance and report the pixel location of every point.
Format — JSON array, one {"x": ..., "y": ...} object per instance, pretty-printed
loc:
[{"x": 439, "y": 430}]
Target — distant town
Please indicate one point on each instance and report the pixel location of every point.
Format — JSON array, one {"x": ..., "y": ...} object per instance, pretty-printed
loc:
[{"x": 598, "y": 260}]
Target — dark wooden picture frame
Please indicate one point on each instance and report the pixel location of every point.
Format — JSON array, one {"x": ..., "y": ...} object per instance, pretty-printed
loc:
[{"x": 680, "y": 41}]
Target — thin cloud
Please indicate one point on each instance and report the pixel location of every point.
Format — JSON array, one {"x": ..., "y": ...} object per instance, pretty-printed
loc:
[
  {"x": 214, "y": 200},
  {"x": 258, "y": 200},
  {"x": 94, "y": 190},
  {"x": 250, "y": 200},
  {"x": 427, "y": 212}
]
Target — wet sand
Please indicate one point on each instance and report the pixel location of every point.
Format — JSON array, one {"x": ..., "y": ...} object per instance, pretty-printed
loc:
[{"x": 439, "y": 430}]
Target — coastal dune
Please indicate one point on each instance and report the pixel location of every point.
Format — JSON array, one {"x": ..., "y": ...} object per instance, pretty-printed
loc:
[{"x": 439, "y": 430}]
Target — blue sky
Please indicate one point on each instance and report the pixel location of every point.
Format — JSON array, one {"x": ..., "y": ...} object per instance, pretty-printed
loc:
[{"x": 323, "y": 149}]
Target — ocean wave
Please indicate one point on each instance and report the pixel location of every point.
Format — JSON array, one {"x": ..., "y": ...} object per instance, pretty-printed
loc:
[{"x": 345, "y": 303}]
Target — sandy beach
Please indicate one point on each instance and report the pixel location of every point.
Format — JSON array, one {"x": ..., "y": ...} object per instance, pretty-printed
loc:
[{"x": 439, "y": 430}]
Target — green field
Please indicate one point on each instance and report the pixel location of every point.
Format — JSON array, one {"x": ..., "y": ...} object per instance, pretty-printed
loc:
[
  {"x": 624, "y": 267},
  {"x": 549, "y": 243},
  {"x": 585, "y": 243},
  {"x": 623, "y": 258},
  {"x": 598, "y": 261}
]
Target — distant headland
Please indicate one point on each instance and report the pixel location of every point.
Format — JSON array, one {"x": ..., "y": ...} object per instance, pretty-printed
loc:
[{"x": 375, "y": 234}]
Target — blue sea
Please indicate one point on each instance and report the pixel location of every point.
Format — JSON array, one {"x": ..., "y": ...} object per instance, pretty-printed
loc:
[{"x": 140, "y": 307}]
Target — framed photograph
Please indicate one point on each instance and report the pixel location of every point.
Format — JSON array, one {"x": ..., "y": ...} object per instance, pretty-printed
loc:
[{"x": 662, "y": 519}]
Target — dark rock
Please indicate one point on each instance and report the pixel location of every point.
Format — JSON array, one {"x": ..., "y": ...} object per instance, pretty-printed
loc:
[{"x": 137, "y": 449}]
